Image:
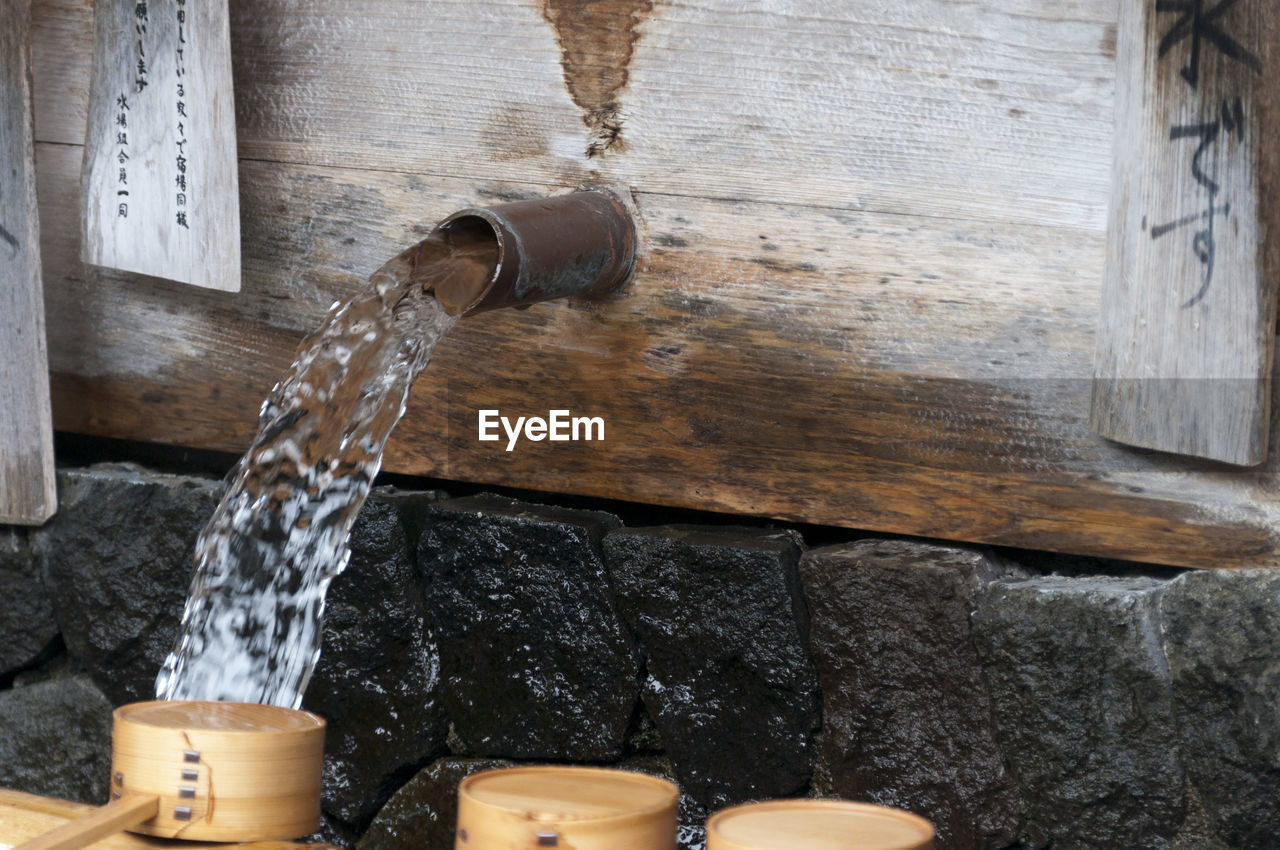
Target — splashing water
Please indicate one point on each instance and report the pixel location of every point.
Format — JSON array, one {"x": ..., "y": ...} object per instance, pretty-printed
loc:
[{"x": 251, "y": 626}]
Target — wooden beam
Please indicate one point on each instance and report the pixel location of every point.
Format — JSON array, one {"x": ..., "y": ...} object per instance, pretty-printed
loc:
[
  {"x": 27, "y": 494},
  {"x": 738, "y": 390},
  {"x": 869, "y": 291},
  {"x": 1187, "y": 328}
]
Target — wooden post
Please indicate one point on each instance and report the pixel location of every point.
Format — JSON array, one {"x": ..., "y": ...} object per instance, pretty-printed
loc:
[
  {"x": 161, "y": 192},
  {"x": 1185, "y": 337},
  {"x": 27, "y": 493}
]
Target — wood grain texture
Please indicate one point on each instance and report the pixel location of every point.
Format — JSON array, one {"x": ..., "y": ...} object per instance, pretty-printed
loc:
[
  {"x": 820, "y": 824},
  {"x": 1186, "y": 333},
  {"x": 27, "y": 494},
  {"x": 26, "y": 816},
  {"x": 874, "y": 246},
  {"x": 160, "y": 177},
  {"x": 585, "y": 808},
  {"x": 255, "y": 769},
  {"x": 119, "y": 814}
]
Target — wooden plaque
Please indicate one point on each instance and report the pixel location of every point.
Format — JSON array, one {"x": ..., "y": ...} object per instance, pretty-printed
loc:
[
  {"x": 1186, "y": 334},
  {"x": 161, "y": 194}
]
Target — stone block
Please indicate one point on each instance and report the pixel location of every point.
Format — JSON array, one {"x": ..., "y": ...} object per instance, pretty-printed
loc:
[
  {"x": 691, "y": 824},
  {"x": 423, "y": 815},
  {"x": 117, "y": 561},
  {"x": 377, "y": 681},
  {"x": 1084, "y": 709},
  {"x": 721, "y": 622},
  {"x": 534, "y": 659},
  {"x": 1222, "y": 639},
  {"x": 906, "y": 712},
  {"x": 55, "y": 739},
  {"x": 27, "y": 623}
]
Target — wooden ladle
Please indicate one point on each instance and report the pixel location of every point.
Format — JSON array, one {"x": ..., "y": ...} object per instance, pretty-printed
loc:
[{"x": 206, "y": 771}]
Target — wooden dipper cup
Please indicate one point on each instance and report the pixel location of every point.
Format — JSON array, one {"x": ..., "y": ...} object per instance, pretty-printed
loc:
[
  {"x": 206, "y": 771},
  {"x": 817, "y": 825},
  {"x": 582, "y": 808},
  {"x": 224, "y": 771}
]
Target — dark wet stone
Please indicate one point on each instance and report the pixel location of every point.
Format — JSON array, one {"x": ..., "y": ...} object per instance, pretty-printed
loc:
[
  {"x": 55, "y": 739},
  {"x": 377, "y": 680},
  {"x": 534, "y": 659},
  {"x": 691, "y": 829},
  {"x": 1083, "y": 709},
  {"x": 117, "y": 561},
  {"x": 27, "y": 624},
  {"x": 424, "y": 813},
  {"x": 1222, "y": 638},
  {"x": 721, "y": 623},
  {"x": 643, "y": 739},
  {"x": 906, "y": 711},
  {"x": 332, "y": 833}
]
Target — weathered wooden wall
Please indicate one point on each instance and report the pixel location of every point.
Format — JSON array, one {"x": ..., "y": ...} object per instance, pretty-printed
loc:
[{"x": 874, "y": 231}]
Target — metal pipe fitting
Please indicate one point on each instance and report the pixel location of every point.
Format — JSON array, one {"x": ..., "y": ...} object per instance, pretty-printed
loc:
[{"x": 582, "y": 244}]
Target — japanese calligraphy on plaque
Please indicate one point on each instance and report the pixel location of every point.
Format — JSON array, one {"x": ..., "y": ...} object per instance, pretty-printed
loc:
[
  {"x": 1185, "y": 336},
  {"x": 161, "y": 194}
]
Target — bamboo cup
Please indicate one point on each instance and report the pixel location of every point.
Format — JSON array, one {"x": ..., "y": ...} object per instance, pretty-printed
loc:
[
  {"x": 222, "y": 771},
  {"x": 581, "y": 808},
  {"x": 205, "y": 771},
  {"x": 817, "y": 825}
]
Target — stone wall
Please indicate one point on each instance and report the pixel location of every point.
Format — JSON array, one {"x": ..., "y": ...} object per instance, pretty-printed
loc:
[{"x": 1012, "y": 706}]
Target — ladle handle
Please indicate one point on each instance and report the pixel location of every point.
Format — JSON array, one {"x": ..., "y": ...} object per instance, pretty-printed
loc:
[{"x": 121, "y": 813}]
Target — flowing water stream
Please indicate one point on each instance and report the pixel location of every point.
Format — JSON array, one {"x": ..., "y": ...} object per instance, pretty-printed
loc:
[{"x": 251, "y": 626}]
